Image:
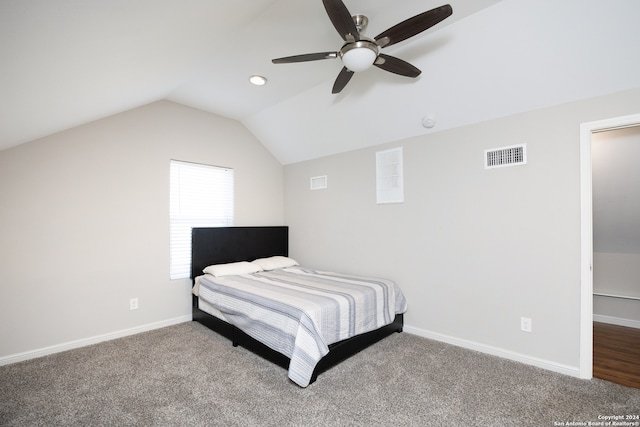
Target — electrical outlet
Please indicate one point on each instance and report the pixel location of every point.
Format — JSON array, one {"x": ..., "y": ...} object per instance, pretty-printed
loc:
[
  {"x": 525, "y": 324},
  {"x": 133, "y": 304}
]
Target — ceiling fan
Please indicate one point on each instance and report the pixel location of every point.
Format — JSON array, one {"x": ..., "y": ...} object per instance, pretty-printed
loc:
[{"x": 358, "y": 53}]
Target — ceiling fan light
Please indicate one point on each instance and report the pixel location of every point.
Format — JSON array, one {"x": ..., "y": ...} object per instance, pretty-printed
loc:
[
  {"x": 359, "y": 59},
  {"x": 359, "y": 56}
]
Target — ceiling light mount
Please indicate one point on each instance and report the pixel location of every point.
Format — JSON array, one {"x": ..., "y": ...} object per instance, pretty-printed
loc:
[{"x": 361, "y": 22}]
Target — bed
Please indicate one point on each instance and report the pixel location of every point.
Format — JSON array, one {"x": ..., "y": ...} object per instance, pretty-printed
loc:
[{"x": 224, "y": 302}]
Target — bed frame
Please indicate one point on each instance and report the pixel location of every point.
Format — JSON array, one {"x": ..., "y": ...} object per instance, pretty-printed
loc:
[{"x": 230, "y": 244}]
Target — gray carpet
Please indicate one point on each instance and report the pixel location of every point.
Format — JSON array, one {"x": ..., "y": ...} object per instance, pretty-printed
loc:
[{"x": 186, "y": 375}]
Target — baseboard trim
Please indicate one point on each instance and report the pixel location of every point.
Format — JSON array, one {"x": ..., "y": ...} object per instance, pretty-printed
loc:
[
  {"x": 6, "y": 360},
  {"x": 616, "y": 321},
  {"x": 471, "y": 345},
  {"x": 495, "y": 351}
]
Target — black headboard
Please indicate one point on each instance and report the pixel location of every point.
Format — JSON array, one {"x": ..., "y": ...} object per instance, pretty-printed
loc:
[{"x": 230, "y": 244}]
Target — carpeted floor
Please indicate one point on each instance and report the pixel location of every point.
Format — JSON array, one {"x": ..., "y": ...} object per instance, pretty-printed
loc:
[{"x": 186, "y": 375}]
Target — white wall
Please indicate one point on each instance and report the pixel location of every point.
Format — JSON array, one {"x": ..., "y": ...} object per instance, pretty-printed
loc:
[
  {"x": 84, "y": 225},
  {"x": 84, "y": 222},
  {"x": 473, "y": 249},
  {"x": 616, "y": 274},
  {"x": 616, "y": 190},
  {"x": 616, "y": 225}
]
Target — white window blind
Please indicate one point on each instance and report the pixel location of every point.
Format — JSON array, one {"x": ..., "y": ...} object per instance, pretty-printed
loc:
[
  {"x": 389, "y": 176},
  {"x": 200, "y": 196}
]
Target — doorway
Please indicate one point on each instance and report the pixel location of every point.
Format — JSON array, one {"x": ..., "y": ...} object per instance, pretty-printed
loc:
[{"x": 586, "y": 292}]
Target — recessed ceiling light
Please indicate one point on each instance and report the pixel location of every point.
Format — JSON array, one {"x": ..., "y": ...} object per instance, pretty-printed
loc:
[{"x": 258, "y": 80}]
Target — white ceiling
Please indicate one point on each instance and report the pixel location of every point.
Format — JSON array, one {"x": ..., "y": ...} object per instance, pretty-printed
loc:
[{"x": 68, "y": 62}]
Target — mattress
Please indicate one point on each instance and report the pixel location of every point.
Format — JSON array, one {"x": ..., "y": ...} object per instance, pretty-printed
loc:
[
  {"x": 299, "y": 311},
  {"x": 210, "y": 310}
]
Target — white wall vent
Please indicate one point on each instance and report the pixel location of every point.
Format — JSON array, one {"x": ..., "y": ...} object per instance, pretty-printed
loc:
[
  {"x": 389, "y": 176},
  {"x": 513, "y": 155},
  {"x": 318, "y": 182}
]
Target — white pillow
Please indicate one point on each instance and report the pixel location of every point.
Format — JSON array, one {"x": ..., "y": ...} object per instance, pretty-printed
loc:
[
  {"x": 241, "y": 267},
  {"x": 271, "y": 263}
]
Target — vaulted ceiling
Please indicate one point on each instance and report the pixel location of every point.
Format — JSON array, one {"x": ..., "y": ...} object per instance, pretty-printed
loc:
[{"x": 68, "y": 62}]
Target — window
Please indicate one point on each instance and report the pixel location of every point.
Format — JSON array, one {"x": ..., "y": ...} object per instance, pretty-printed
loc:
[
  {"x": 200, "y": 196},
  {"x": 389, "y": 180}
]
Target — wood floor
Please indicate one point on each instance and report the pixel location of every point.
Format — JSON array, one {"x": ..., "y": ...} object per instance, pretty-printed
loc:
[{"x": 616, "y": 354}]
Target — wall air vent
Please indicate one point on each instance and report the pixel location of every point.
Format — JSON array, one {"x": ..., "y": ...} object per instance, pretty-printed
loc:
[
  {"x": 389, "y": 176},
  {"x": 513, "y": 155},
  {"x": 318, "y": 182}
]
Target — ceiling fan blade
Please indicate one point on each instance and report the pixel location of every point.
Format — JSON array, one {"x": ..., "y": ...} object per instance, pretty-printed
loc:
[
  {"x": 396, "y": 65},
  {"x": 305, "y": 57},
  {"x": 342, "y": 80},
  {"x": 413, "y": 26},
  {"x": 341, "y": 19}
]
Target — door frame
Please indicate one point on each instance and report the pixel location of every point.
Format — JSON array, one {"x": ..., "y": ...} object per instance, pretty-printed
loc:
[{"x": 586, "y": 233}]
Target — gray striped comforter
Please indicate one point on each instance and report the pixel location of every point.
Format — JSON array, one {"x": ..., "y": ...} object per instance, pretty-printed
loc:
[{"x": 300, "y": 311}]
